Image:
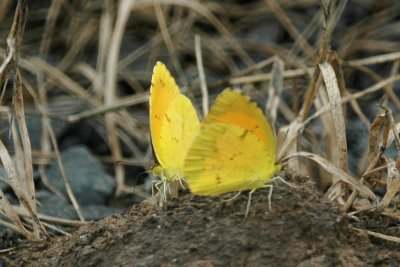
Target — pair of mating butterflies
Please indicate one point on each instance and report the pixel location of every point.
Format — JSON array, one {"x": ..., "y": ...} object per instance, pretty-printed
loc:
[{"x": 233, "y": 149}]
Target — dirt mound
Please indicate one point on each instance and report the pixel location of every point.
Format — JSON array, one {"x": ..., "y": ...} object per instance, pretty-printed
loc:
[{"x": 303, "y": 229}]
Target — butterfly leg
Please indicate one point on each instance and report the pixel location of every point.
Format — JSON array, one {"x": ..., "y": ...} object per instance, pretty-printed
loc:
[
  {"x": 165, "y": 190},
  {"x": 234, "y": 197},
  {"x": 283, "y": 181},
  {"x": 156, "y": 185},
  {"x": 248, "y": 204},
  {"x": 271, "y": 188},
  {"x": 152, "y": 189},
  {"x": 181, "y": 180}
]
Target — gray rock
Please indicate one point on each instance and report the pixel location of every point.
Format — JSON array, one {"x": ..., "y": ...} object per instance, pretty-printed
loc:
[
  {"x": 53, "y": 205},
  {"x": 34, "y": 126},
  {"x": 98, "y": 212},
  {"x": 87, "y": 177}
]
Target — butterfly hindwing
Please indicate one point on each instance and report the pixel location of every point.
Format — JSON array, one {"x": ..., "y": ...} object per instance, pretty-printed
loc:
[
  {"x": 234, "y": 150},
  {"x": 178, "y": 129}
]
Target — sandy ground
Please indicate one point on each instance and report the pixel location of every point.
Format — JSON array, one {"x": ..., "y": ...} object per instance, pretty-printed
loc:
[{"x": 303, "y": 229}]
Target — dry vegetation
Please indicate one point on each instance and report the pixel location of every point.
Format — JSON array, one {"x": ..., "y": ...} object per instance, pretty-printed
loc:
[{"x": 90, "y": 61}]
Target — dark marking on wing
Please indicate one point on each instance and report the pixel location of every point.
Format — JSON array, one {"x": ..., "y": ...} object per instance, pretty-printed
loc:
[
  {"x": 218, "y": 179},
  {"x": 243, "y": 135},
  {"x": 167, "y": 118}
]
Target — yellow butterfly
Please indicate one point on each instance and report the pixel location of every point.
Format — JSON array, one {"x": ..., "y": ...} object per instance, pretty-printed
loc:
[
  {"x": 173, "y": 125},
  {"x": 234, "y": 150}
]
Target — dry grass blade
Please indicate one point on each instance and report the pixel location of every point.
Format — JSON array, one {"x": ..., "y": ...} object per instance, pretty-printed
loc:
[
  {"x": 393, "y": 182},
  {"x": 350, "y": 97},
  {"x": 287, "y": 136},
  {"x": 393, "y": 176},
  {"x": 10, "y": 55},
  {"x": 20, "y": 115},
  {"x": 376, "y": 59},
  {"x": 275, "y": 89},
  {"x": 67, "y": 222},
  {"x": 27, "y": 182},
  {"x": 110, "y": 96},
  {"x": 48, "y": 128},
  {"x": 378, "y": 137},
  {"x": 375, "y": 76},
  {"x": 63, "y": 175},
  {"x": 288, "y": 25},
  {"x": 81, "y": 38},
  {"x": 51, "y": 19},
  {"x": 44, "y": 48},
  {"x": 332, "y": 169},
  {"x": 268, "y": 76},
  {"x": 17, "y": 187},
  {"x": 394, "y": 134},
  {"x": 204, "y": 11},
  {"x": 379, "y": 235},
  {"x": 13, "y": 216},
  {"x": 292, "y": 131},
  {"x": 393, "y": 129},
  {"x": 117, "y": 105},
  {"x": 336, "y": 111},
  {"x": 168, "y": 41},
  {"x": 39, "y": 66},
  {"x": 202, "y": 76},
  {"x": 7, "y": 250},
  {"x": 378, "y": 86}
]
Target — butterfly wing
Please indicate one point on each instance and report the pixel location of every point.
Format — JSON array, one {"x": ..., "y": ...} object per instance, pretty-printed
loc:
[
  {"x": 173, "y": 123},
  {"x": 234, "y": 150},
  {"x": 163, "y": 90},
  {"x": 232, "y": 107},
  {"x": 178, "y": 129}
]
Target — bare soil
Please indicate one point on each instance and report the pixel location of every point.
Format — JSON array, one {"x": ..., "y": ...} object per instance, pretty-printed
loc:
[{"x": 303, "y": 229}]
